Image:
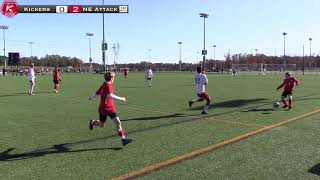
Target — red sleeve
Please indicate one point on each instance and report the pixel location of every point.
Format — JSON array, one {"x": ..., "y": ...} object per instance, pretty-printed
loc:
[
  {"x": 284, "y": 82},
  {"x": 99, "y": 91},
  {"x": 296, "y": 81}
]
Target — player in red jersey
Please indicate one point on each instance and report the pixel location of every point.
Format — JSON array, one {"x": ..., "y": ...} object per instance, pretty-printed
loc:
[
  {"x": 56, "y": 79},
  {"x": 125, "y": 72},
  {"x": 288, "y": 84},
  {"x": 107, "y": 107}
]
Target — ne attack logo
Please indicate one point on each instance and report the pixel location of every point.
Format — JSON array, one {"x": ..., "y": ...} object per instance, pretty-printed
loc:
[{"x": 9, "y": 8}]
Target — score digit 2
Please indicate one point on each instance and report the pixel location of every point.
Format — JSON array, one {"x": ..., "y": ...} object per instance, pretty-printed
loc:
[{"x": 74, "y": 9}]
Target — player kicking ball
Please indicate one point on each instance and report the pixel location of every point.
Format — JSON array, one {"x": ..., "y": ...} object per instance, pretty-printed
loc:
[
  {"x": 201, "y": 81},
  {"x": 288, "y": 84},
  {"x": 107, "y": 107}
]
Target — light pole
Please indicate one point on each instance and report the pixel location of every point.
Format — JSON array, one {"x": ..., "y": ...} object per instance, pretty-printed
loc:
[
  {"x": 310, "y": 39},
  {"x": 214, "y": 52},
  {"x": 303, "y": 60},
  {"x": 284, "y": 50},
  {"x": 180, "y": 61},
  {"x": 31, "y": 43},
  {"x": 204, "y": 51},
  {"x": 4, "y": 45},
  {"x": 90, "y": 59},
  {"x": 103, "y": 44},
  {"x": 149, "y": 52},
  {"x": 256, "y": 51}
]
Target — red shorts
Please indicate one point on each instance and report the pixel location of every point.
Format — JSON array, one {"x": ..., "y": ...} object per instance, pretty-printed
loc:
[{"x": 204, "y": 96}]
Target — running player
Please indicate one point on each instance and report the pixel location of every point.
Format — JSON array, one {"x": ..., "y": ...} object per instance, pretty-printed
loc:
[
  {"x": 125, "y": 72},
  {"x": 56, "y": 79},
  {"x": 148, "y": 75},
  {"x": 201, "y": 80},
  {"x": 31, "y": 78},
  {"x": 107, "y": 107},
  {"x": 288, "y": 84}
]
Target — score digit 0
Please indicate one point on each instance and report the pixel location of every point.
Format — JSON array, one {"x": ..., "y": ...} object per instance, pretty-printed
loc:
[
  {"x": 74, "y": 9},
  {"x": 62, "y": 9}
]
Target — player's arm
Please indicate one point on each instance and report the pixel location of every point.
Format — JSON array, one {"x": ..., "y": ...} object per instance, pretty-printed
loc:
[
  {"x": 281, "y": 85},
  {"x": 296, "y": 81},
  {"x": 111, "y": 95},
  {"x": 97, "y": 93},
  {"x": 205, "y": 80}
]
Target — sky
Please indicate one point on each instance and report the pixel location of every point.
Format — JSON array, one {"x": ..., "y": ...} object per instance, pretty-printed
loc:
[{"x": 235, "y": 26}]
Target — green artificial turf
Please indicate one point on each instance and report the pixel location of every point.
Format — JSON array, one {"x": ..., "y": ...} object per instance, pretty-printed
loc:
[{"x": 46, "y": 136}]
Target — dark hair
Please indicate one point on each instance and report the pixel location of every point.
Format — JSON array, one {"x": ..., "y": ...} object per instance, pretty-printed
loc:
[{"x": 199, "y": 69}]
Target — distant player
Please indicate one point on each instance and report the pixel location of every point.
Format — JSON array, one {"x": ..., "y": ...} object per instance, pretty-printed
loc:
[
  {"x": 125, "y": 73},
  {"x": 288, "y": 84},
  {"x": 56, "y": 79},
  {"x": 148, "y": 75},
  {"x": 107, "y": 107},
  {"x": 32, "y": 78},
  {"x": 201, "y": 81}
]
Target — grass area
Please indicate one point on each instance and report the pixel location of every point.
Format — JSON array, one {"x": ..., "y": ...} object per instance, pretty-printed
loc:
[{"x": 46, "y": 136}]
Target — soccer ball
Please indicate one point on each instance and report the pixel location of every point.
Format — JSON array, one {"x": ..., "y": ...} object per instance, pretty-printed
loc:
[{"x": 276, "y": 104}]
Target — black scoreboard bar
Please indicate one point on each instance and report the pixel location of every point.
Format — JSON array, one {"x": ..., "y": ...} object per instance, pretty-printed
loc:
[{"x": 73, "y": 9}]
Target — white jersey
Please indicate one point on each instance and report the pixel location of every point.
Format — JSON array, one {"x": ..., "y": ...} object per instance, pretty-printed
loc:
[
  {"x": 149, "y": 73},
  {"x": 31, "y": 75},
  {"x": 201, "y": 80}
]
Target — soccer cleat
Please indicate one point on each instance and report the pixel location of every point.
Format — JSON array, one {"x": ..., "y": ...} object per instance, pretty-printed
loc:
[
  {"x": 91, "y": 124},
  {"x": 204, "y": 112},
  {"x": 126, "y": 141},
  {"x": 285, "y": 106},
  {"x": 289, "y": 107},
  {"x": 190, "y": 103}
]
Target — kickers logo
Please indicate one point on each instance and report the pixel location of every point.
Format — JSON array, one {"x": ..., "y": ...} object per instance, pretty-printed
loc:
[{"x": 9, "y": 8}]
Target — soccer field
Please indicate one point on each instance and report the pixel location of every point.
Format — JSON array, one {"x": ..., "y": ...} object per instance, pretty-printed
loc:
[{"x": 46, "y": 136}]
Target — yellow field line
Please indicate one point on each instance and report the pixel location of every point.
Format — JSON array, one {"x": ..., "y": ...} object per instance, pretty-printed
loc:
[{"x": 211, "y": 148}]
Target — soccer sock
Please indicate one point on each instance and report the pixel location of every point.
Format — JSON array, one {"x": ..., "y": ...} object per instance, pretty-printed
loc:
[
  {"x": 290, "y": 102},
  {"x": 206, "y": 108},
  {"x": 196, "y": 100},
  {"x": 121, "y": 134},
  {"x": 284, "y": 102}
]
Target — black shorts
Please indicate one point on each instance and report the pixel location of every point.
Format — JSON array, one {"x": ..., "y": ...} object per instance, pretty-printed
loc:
[
  {"x": 149, "y": 79},
  {"x": 56, "y": 81},
  {"x": 286, "y": 93},
  {"x": 103, "y": 117}
]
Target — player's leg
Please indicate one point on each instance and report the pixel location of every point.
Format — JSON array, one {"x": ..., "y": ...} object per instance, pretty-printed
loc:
[
  {"x": 290, "y": 101},
  {"x": 200, "y": 99},
  {"x": 149, "y": 82},
  {"x": 32, "y": 84},
  {"x": 120, "y": 130},
  {"x": 284, "y": 95},
  {"x": 98, "y": 123},
  {"x": 207, "y": 106}
]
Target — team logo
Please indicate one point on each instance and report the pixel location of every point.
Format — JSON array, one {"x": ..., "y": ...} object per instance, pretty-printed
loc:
[{"x": 9, "y": 8}]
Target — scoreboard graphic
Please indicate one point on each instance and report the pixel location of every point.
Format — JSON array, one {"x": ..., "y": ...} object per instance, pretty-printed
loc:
[{"x": 11, "y": 8}]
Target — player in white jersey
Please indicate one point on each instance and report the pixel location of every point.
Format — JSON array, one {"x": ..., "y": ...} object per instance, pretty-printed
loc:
[
  {"x": 31, "y": 78},
  {"x": 201, "y": 80},
  {"x": 148, "y": 75}
]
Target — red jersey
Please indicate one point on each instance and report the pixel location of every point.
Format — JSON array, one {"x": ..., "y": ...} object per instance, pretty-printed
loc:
[
  {"x": 56, "y": 74},
  {"x": 289, "y": 84},
  {"x": 106, "y": 103},
  {"x": 125, "y": 71}
]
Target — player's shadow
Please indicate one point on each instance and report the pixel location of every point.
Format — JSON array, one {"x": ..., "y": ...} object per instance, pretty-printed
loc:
[
  {"x": 315, "y": 169},
  {"x": 258, "y": 110},
  {"x": 233, "y": 103},
  {"x": 59, "y": 148},
  {"x": 23, "y": 94},
  {"x": 156, "y": 117}
]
